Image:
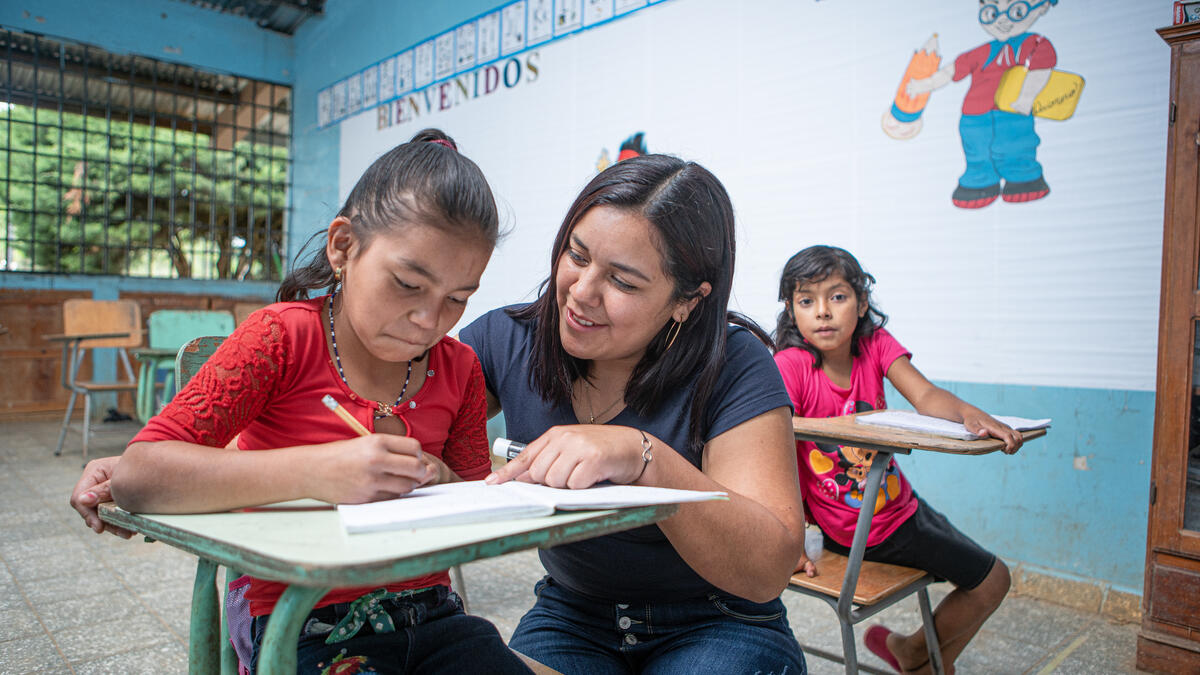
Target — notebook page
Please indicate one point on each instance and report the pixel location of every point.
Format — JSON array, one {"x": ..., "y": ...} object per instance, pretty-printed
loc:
[
  {"x": 447, "y": 504},
  {"x": 611, "y": 496},
  {"x": 904, "y": 419}
]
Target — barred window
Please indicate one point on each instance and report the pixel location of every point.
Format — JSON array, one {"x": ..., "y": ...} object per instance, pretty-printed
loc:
[{"x": 123, "y": 165}]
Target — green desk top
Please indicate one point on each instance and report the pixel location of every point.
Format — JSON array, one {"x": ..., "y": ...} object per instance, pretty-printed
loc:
[{"x": 310, "y": 548}]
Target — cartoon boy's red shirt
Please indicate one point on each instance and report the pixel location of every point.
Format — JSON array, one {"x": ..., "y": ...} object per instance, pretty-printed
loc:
[{"x": 1033, "y": 51}]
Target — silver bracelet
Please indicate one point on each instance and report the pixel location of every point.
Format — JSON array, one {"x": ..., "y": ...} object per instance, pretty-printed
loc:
[{"x": 646, "y": 456}]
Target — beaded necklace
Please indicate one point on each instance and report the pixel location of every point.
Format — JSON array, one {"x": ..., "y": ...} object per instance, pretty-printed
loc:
[{"x": 384, "y": 409}]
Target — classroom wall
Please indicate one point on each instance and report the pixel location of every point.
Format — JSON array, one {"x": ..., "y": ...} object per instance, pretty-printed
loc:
[
  {"x": 1042, "y": 309},
  {"x": 351, "y": 34},
  {"x": 168, "y": 31}
]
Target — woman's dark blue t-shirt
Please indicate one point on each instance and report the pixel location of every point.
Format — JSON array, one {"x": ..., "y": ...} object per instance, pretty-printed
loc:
[{"x": 641, "y": 564}]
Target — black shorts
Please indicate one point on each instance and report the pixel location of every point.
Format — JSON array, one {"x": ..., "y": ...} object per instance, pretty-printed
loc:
[{"x": 927, "y": 541}]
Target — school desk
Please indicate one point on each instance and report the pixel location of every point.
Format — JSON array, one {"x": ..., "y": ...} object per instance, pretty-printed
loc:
[
  {"x": 856, "y": 599},
  {"x": 74, "y": 347},
  {"x": 306, "y": 547}
]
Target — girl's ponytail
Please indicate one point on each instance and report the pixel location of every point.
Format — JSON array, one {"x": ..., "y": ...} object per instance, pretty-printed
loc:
[
  {"x": 424, "y": 181},
  {"x": 316, "y": 273}
]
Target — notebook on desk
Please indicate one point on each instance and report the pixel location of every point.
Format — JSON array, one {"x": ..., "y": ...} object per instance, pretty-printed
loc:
[
  {"x": 475, "y": 501},
  {"x": 911, "y": 421}
]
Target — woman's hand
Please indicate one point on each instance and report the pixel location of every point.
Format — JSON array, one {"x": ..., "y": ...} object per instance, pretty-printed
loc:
[
  {"x": 94, "y": 488},
  {"x": 578, "y": 456},
  {"x": 979, "y": 422},
  {"x": 370, "y": 468}
]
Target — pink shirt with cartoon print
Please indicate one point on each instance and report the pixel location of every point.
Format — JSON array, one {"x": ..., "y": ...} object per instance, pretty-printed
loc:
[{"x": 832, "y": 477}]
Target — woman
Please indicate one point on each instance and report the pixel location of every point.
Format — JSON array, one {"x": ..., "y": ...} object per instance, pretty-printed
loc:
[{"x": 628, "y": 368}]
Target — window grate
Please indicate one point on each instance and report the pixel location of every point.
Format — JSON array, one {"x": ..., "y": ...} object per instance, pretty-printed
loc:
[{"x": 124, "y": 165}]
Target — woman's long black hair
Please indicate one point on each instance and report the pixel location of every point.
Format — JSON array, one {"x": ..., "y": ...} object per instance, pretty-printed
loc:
[
  {"x": 692, "y": 220},
  {"x": 423, "y": 181},
  {"x": 815, "y": 264}
]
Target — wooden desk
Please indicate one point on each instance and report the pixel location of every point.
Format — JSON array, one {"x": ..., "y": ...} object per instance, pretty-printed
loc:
[
  {"x": 845, "y": 430},
  {"x": 885, "y": 441},
  {"x": 309, "y": 550}
]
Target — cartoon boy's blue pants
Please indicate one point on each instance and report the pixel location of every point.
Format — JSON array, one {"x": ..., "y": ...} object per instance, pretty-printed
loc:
[{"x": 997, "y": 145}]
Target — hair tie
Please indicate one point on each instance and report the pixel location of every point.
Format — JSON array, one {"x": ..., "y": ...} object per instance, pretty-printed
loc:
[{"x": 441, "y": 141}]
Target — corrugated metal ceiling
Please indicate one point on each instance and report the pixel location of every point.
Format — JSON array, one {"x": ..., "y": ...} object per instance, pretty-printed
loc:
[{"x": 283, "y": 16}]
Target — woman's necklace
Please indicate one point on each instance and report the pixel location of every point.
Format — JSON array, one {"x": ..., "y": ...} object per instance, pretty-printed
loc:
[
  {"x": 591, "y": 415},
  {"x": 384, "y": 408}
]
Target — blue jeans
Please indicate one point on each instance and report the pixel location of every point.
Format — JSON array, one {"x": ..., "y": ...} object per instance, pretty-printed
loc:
[
  {"x": 573, "y": 633},
  {"x": 997, "y": 145},
  {"x": 432, "y": 635}
]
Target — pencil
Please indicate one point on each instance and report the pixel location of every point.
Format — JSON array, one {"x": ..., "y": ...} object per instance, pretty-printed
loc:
[{"x": 345, "y": 415}]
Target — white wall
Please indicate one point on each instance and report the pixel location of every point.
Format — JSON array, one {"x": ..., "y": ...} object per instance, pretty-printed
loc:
[{"x": 783, "y": 100}]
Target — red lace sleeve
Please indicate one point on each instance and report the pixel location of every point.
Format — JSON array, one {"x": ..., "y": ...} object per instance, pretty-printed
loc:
[
  {"x": 229, "y": 390},
  {"x": 466, "y": 449}
]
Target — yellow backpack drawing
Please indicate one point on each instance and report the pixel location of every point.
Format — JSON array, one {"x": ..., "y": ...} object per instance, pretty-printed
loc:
[{"x": 1056, "y": 101}]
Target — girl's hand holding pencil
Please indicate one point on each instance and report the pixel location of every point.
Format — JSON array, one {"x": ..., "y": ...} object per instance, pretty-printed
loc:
[{"x": 372, "y": 467}]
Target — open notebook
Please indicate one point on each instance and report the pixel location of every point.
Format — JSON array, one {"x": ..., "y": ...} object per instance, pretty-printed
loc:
[
  {"x": 475, "y": 501},
  {"x": 904, "y": 419}
]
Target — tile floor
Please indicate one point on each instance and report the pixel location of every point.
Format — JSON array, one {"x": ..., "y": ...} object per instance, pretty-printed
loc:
[{"x": 75, "y": 602}]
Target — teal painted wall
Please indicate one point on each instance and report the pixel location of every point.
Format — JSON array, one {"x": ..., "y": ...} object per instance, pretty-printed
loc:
[
  {"x": 1074, "y": 501},
  {"x": 169, "y": 31}
]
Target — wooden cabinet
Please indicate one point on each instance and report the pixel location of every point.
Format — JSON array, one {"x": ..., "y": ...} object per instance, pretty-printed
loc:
[{"x": 1169, "y": 640}]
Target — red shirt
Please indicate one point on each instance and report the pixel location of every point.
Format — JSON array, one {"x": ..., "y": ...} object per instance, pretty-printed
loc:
[{"x": 266, "y": 383}]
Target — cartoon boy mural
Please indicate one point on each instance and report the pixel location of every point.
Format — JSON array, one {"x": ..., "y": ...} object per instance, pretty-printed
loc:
[{"x": 998, "y": 144}]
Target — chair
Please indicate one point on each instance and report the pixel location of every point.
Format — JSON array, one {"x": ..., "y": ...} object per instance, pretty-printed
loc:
[
  {"x": 89, "y": 325},
  {"x": 169, "y": 329},
  {"x": 188, "y": 360},
  {"x": 857, "y": 590}
]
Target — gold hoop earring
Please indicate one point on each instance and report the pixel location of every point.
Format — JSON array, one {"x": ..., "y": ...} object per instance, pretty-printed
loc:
[{"x": 672, "y": 335}]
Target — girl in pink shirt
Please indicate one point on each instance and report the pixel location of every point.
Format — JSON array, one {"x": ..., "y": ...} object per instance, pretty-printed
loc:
[{"x": 833, "y": 354}]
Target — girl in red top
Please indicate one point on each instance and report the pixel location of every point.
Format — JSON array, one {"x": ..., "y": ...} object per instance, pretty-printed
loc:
[
  {"x": 833, "y": 354},
  {"x": 402, "y": 257}
]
